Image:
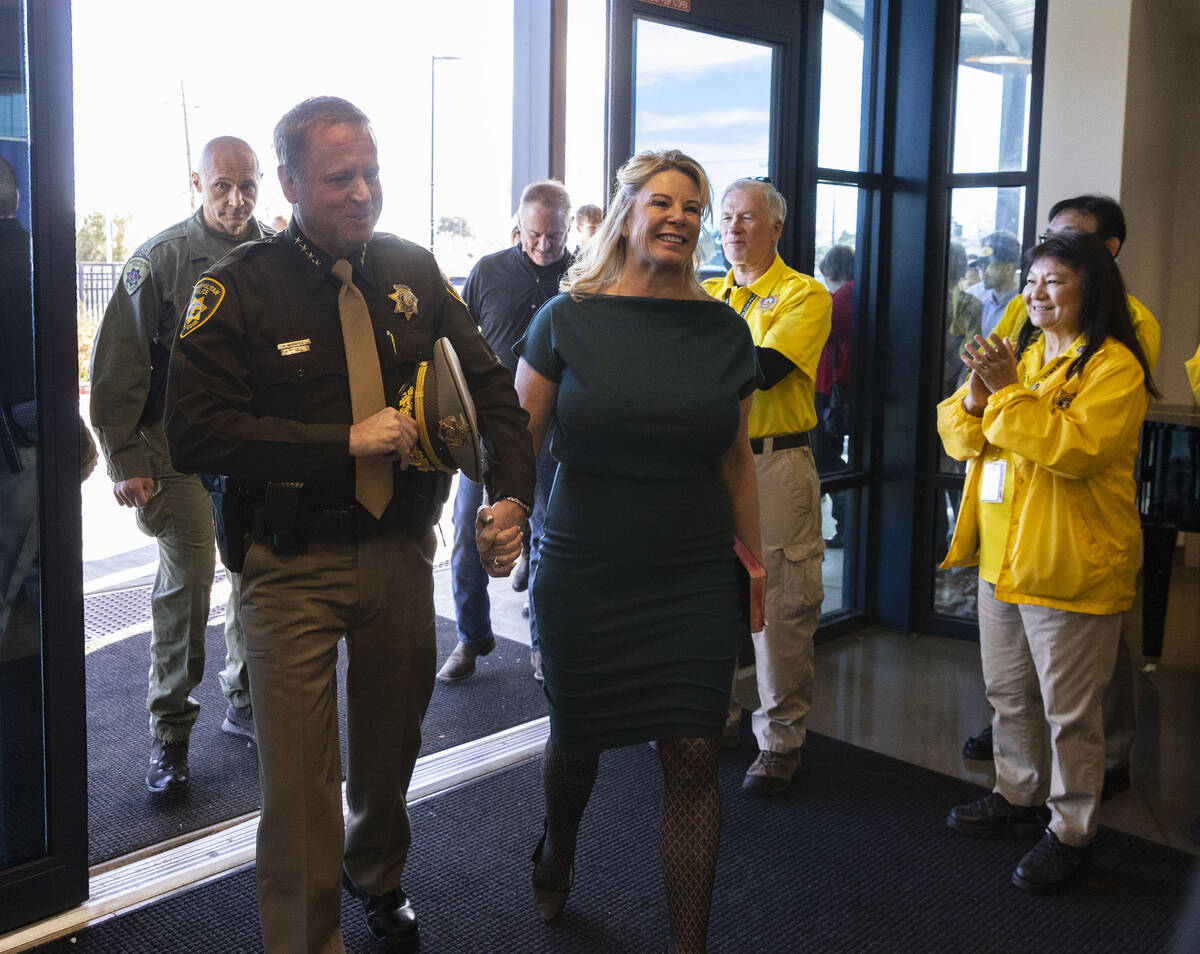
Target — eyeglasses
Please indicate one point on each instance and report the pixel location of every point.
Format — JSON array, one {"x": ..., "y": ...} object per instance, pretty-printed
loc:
[{"x": 766, "y": 179}]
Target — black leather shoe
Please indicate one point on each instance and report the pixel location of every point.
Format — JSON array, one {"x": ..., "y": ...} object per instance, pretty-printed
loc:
[
  {"x": 390, "y": 917},
  {"x": 994, "y": 817},
  {"x": 1049, "y": 865},
  {"x": 168, "y": 771},
  {"x": 979, "y": 746},
  {"x": 520, "y": 573},
  {"x": 1116, "y": 781}
]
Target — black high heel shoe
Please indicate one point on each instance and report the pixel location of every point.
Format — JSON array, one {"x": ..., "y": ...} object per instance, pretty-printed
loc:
[{"x": 549, "y": 902}]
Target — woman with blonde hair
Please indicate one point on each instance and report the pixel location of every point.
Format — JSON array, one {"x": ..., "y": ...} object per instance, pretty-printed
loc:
[{"x": 648, "y": 380}]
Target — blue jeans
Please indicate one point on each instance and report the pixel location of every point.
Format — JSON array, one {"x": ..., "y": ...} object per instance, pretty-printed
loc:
[{"x": 468, "y": 578}]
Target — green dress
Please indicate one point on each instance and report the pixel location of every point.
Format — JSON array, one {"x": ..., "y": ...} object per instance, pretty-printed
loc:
[{"x": 637, "y": 590}]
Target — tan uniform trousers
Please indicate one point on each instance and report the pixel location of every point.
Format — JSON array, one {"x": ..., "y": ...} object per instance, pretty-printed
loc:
[
  {"x": 1046, "y": 671},
  {"x": 378, "y": 593},
  {"x": 789, "y": 500}
]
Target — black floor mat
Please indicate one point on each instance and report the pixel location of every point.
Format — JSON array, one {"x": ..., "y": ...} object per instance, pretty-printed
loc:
[
  {"x": 855, "y": 857},
  {"x": 122, "y": 817}
]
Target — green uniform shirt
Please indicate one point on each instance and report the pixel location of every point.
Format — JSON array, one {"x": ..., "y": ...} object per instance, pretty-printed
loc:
[{"x": 133, "y": 342}]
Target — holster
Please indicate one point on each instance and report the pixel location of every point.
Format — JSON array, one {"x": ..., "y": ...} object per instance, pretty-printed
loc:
[{"x": 233, "y": 514}]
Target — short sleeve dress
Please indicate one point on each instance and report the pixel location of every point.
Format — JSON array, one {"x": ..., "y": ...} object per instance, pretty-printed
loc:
[{"x": 637, "y": 591}]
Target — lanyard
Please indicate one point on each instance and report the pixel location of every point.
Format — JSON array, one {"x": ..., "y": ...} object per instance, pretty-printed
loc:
[{"x": 746, "y": 307}]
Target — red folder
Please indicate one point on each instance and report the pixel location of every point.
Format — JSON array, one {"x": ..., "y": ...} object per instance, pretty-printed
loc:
[{"x": 754, "y": 585}]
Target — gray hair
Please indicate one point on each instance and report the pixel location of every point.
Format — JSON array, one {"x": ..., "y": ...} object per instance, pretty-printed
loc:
[
  {"x": 776, "y": 203},
  {"x": 549, "y": 193},
  {"x": 291, "y": 132}
]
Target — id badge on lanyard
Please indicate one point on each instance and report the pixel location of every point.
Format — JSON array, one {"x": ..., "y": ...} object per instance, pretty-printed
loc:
[{"x": 991, "y": 486}]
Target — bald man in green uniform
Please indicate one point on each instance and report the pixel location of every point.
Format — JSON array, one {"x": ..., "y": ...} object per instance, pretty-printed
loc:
[{"x": 128, "y": 375}]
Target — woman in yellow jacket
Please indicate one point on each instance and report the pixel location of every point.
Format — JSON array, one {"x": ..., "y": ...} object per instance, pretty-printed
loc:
[{"x": 1049, "y": 430}]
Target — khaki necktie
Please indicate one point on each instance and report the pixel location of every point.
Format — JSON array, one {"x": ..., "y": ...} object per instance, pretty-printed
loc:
[{"x": 372, "y": 475}]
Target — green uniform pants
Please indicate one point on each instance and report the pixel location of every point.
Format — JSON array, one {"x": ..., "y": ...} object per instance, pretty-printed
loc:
[{"x": 179, "y": 517}]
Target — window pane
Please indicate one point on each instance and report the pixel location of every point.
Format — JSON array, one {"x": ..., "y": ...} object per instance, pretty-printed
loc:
[
  {"x": 839, "y": 523},
  {"x": 707, "y": 95},
  {"x": 995, "y": 59},
  {"x": 835, "y": 438},
  {"x": 983, "y": 269},
  {"x": 954, "y": 590},
  {"x": 585, "y": 104},
  {"x": 841, "y": 88}
]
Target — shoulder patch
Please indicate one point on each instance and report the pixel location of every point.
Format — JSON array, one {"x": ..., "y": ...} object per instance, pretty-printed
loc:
[
  {"x": 206, "y": 299},
  {"x": 453, "y": 294},
  {"x": 136, "y": 271}
]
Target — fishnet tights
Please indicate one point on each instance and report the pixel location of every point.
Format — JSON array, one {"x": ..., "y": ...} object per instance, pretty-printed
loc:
[
  {"x": 568, "y": 778},
  {"x": 691, "y": 828},
  {"x": 691, "y": 831}
]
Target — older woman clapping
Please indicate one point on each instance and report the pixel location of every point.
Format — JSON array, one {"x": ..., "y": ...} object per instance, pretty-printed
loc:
[{"x": 1049, "y": 429}]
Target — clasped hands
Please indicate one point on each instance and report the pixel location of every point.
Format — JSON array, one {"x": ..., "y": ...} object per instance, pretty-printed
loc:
[
  {"x": 499, "y": 530},
  {"x": 993, "y": 366}
]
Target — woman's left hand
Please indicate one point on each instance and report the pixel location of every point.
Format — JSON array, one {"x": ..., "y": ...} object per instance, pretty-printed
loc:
[{"x": 993, "y": 361}]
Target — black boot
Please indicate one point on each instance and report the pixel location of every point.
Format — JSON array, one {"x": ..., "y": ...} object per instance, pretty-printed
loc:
[{"x": 168, "y": 771}]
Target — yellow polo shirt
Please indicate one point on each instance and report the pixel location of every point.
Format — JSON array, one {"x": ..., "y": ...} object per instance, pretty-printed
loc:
[{"x": 790, "y": 313}]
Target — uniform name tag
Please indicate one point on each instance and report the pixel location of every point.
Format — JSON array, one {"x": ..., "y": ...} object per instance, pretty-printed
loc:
[
  {"x": 294, "y": 347},
  {"x": 991, "y": 487}
]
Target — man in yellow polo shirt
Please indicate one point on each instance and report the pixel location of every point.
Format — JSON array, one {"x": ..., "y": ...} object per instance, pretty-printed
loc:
[
  {"x": 1096, "y": 215},
  {"x": 789, "y": 317}
]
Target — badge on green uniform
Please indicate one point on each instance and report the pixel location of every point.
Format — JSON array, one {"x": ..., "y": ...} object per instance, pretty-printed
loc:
[{"x": 206, "y": 299}]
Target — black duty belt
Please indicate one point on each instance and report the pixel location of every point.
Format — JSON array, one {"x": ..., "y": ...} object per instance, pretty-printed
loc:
[
  {"x": 345, "y": 524},
  {"x": 782, "y": 442}
]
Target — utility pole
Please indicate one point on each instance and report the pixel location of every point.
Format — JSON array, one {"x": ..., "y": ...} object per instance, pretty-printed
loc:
[{"x": 187, "y": 143}]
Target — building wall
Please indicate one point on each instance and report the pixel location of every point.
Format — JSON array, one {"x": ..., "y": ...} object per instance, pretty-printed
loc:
[
  {"x": 1160, "y": 181},
  {"x": 1122, "y": 117}
]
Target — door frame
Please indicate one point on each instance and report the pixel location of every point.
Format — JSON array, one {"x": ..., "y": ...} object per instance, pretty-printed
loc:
[
  {"x": 784, "y": 25},
  {"x": 57, "y": 880}
]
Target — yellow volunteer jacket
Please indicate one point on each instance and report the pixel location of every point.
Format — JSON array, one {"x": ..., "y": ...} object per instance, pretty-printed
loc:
[
  {"x": 1145, "y": 326},
  {"x": 1074, "y": 534},
  {"x": 1192, "y": 366}
]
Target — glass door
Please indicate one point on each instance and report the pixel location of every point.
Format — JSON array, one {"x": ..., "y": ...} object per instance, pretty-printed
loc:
[
  {"x": 43, "y": 865},
  {"x": 720, "y": 80}
]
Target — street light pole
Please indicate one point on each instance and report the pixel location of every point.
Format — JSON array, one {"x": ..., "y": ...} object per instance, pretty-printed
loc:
[{"x": 433, "y": 60}]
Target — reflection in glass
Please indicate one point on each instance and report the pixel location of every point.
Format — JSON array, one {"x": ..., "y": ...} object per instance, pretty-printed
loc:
[
  {"x": 955, "y": 589},
  {"x": 22, "y": 761},
  {"x": 995, "y": 62},
  {"x": 837, "y": 221},
  {"x": 984, "y": 268},
  {"x": 839, "y": 142},
  {"x": 707, "y": 95},
  {"x": 839, "y": 527}
]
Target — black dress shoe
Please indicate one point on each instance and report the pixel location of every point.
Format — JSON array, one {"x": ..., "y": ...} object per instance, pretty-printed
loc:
[
  {"x": 1049, "y": 865},
  {"x": 520, "y": 573},
  {"x": 168, "y": 771},
  {"x": 1116, "y": 781},
  {"x": 390, "y": 916},
  {"x": 979, "y": 746},
  {"x": 993, "y": 816}
]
